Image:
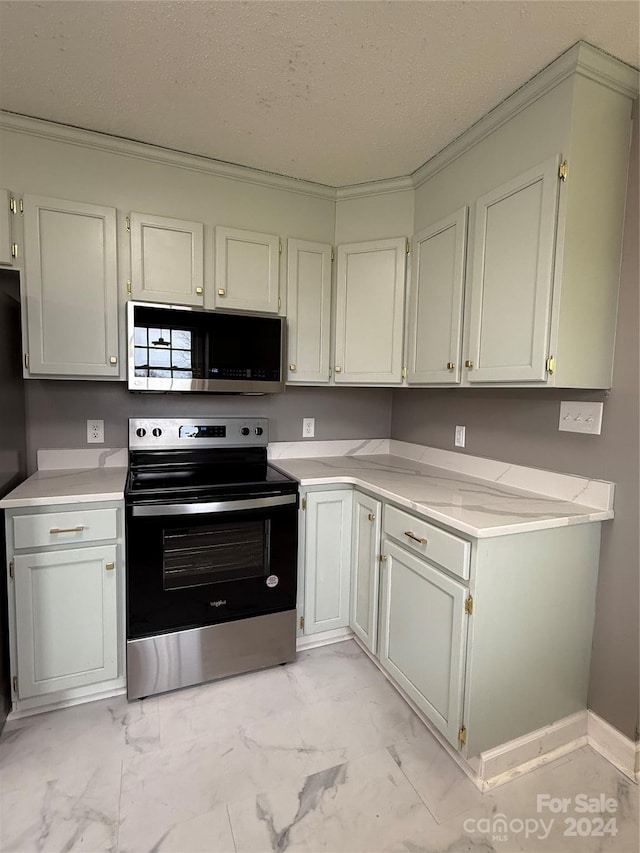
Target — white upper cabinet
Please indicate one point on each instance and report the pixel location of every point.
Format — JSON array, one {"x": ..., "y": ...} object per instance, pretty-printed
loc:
[
  {"x": 511, "y": 278},
  {"x": 247, "y": 271},
  {"x": 436, "y": 300},
  {"x": 167, "y": 259},
  {"x": 308, "y": 311},
  {"x": 6, "y": 255},
  {"x": 370, "y": 312},
  {"x": 71, "y": 288}
]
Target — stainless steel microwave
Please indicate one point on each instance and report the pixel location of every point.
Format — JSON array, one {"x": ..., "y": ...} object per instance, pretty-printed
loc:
[{"x": 175, "y": 348}]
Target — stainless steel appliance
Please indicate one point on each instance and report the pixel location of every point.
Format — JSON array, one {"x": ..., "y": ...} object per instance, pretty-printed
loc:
[
  {"x": 176, "y": 348},
  {"x": 211, "y": 552}
]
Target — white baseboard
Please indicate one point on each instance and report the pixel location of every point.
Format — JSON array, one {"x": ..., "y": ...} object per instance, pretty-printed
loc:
[
  {"x": 620, "y": 750},
  {"x": 325, "y": 638},
  {"x": 78, "y": 697}
]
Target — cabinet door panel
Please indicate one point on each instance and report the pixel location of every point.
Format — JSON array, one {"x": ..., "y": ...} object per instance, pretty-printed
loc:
[
  {"x": 365, "y": 569},
  {"x": 422, "y": 633},
  {"x": 327, "y": 560},
  {"x": 167, "y": 259},
  {"x": 370, "y": 312},
  {"x": 71, "y": 287},
  {"x": 66, "y": 619},
  {"x": 247, "y": 269},
  {"x": 308, "y": 310},
  {"x": 512, "y": 277},
  {"x": 435, "y": 313},
  {"x": 6, "y": 257}
]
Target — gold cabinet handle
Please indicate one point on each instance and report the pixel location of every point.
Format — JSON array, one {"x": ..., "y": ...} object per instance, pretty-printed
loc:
[
  {"x": 450, "y": 365},
  {"x": 337, "y": 369},
  {"x": 415, "y": 538},
  {"x": 77, "y": 529},
  {"x": 468, "y": 363},
  {"x": 199, "y": 290},
  {"x": 292, "y": 368},
  {"x": 372, "y": 517},
  {"x": 383, "y": 558},
  {"x": 222, "y": 291},
  {"x": 109, "y": 566},
  {"x": 113, "y": 360}
]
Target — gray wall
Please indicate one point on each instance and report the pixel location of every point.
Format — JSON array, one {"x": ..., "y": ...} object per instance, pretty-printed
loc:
[
  {"x": 521, "y": 427},
  {"x": 57, "y": 411}
]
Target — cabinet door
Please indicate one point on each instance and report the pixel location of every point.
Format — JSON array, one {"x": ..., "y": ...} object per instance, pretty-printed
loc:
[
  {"x": 66, "y": 619},
  {"x": 369, "y": 312},
  {"x": 6, "y": 257},
  {"x": 167, "y": 259},
  {"x": 327, "y": 560},
  {"x": 422, "y": 636},
  {"x": 365, "y": 561},
  {"x": 512, "y": 277},
  {"x": 71, "y": 287},
  {"x": 247, "y": 270},
  {"x": 308, "y": 310},
  {"x": 435, "y": 306}
]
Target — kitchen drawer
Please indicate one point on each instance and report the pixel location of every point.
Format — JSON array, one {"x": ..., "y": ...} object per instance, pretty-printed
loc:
[
  {"x": 64, "y": 528},
  {"x": 438, "y": 546}
]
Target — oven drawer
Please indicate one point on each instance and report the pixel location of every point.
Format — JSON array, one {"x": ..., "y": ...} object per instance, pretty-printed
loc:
[
  {"x": 64, "y": 528},
  {"x": 431, "y": 542}
]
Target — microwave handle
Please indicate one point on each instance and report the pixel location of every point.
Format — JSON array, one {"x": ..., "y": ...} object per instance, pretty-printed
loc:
[{"x": 151, "y": 510}]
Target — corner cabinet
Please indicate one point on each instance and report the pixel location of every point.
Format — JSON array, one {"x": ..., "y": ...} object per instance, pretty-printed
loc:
[
  {"x": 308, "y": 311},
  {"x": 370, "y": 287},
  {"x": 66, "y": 602},
  {"x": 247, "y": 271},
  {"x": 71, "y": 288},
  {"x": 167, "y": 259}
]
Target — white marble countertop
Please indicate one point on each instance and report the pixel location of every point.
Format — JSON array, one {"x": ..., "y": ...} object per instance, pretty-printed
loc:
[{"x": 479, "y": 507}]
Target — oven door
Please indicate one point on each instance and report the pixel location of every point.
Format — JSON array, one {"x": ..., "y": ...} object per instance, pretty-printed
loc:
[{"x": 196, "y": 564}]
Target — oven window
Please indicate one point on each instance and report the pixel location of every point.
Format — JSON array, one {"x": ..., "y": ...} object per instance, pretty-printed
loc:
[{"x": 200, "y": 555}]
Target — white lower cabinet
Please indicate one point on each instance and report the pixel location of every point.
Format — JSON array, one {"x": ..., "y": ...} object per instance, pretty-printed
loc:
[
  {"x": 363, "y": 619},
  {"x": 422, "y": 635},
  {"x": 327, "y": 557},
  {"x": 66, "y": 602}
]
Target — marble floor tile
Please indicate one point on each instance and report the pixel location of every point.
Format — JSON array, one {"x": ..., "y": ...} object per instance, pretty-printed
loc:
[
  {"x": 78, "y": 811},
  {"x": 330, "y": 671},
  {"x": 363, "y": 805},
  {"x": 47, "y": 746}
]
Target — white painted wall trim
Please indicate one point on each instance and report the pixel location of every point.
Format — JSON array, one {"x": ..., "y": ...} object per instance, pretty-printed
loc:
[
  {"x": 326, "y": 638},
  {"x": 389, "y": 185},
  {"x": 620, "y": 750}
]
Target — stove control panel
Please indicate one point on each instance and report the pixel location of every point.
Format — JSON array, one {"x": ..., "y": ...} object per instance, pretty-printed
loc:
[{"x": 197, "y": 431}]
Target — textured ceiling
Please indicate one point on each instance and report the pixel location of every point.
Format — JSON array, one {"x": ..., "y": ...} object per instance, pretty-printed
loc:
[{"x": 334, "y": 92}]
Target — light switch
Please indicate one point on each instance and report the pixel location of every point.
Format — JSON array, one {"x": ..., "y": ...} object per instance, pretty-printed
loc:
[{"x": 581, "y": 417}]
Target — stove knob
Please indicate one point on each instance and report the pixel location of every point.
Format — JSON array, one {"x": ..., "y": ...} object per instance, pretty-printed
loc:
[
  {"x": 157, "y": 432},
  {"x": 245, "y": 431},
  {"x": 259, "y": 430},
  {"x": 140, "y": 432}
]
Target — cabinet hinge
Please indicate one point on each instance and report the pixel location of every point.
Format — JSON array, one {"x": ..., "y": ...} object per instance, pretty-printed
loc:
[
  {"x": 333, "y": 254},
  {"x": 26, "y": 360},
  {"x": 408, "y": 246},
  {"x": 279, "y": 303},
  {"x": 468, "y": 605},
  {"x": 404, "y": 372},
  {"x": 14, "y": 250},
  {"x": 129, "y": 286},
  {"x": 462, "y": 735},
  {"x": 550, "y": 364},
  {"x": 302, "y": 623},
  {"x": 15, "y": 683},
  {"x": 303, "y": 503},
  {"x": 280, "y": 246},
  {"x": 13, "y": 205},
  {"x": 563, "y": 171},
  {"x": 11, "y": 568},
  {"x": 128, "y": 222}
]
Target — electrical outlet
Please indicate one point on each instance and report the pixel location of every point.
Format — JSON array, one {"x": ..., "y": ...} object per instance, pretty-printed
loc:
[
  {"x": 581, "y": 417},
  {"x": 95, "y": 432},
  {"x": 460, "y": 436},
  {"x": 308, "y": 427}
]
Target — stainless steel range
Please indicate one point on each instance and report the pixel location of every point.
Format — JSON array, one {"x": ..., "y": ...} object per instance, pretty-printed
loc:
[{"x": 211, "y": 552}]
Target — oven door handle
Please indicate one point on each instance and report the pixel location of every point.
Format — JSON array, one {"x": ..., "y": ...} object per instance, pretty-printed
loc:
[{"x": 151, "y": 510}]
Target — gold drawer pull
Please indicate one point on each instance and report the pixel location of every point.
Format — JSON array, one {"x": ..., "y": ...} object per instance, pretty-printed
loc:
[
  {"x": 468, "y": 363},
  {"x": 451, "y": 365},
  {"x": 337, "y": 369},
  {"x": 109, "y": 566},
  {"x": 292, "y": 368},
  {"x": 77, "y": 529},
  {"x": 372, "y": 517},
  {"x": 222, "y": 291},
  {"x": 415, "y": 538},
  {"x": 199, "y": 290}
]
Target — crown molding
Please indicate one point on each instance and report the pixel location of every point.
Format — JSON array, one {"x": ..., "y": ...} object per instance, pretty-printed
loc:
[
  {"x": 156, "y": 154},
  {"x": 383, "y": 187},
  {"x": 582, "y": 58}
]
